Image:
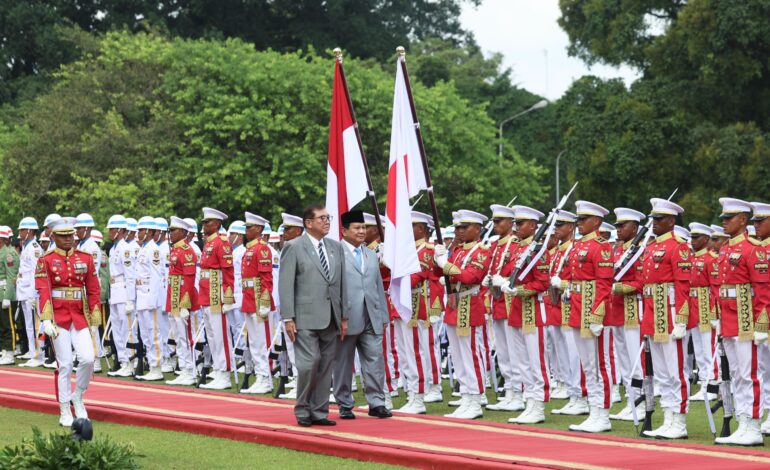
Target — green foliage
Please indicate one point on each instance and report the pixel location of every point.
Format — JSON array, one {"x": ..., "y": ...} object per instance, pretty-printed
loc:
[
  {"x": 151, "y": 125},
  {"x": 59, "y": 451}
]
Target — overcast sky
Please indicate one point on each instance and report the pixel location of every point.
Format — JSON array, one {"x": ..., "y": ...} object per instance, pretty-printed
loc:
[{"x": 532, "y": 44}]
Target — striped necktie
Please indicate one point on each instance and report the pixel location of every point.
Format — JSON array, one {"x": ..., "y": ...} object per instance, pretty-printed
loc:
[{"x": 321, "y": 255}]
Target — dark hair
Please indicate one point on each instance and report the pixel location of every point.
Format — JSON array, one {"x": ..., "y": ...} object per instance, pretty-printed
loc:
[{"x": 310, "y": 211}]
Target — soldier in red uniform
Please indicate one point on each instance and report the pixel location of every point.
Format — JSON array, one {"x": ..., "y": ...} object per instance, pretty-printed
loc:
[
  {"x": 702, "y": 307},
  {"x": 216, "y": 295},
  {"x": 68, "y": 285},
  {"x": 626, "y": 303},
  {"x": 761, "y": 222},
  {"x": 257, "y": 282},
  {"x": 504, "y": 250},
  {"x": 465, "y": 310},
  {"x": 182, "y": 297},
  {"x": 744, "y": 295},
  {"x": 590, "y": 266},
  {"x": 666, "y": 268},
  {"x": 527, "y": 317}
]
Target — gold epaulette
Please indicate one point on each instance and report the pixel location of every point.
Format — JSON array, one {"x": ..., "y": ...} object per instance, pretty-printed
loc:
[
  {"x": 678, "y": 239},
  {"x": 754, "y": 241}
]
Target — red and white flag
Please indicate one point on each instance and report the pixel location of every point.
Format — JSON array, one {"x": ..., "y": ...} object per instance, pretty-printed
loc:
[
  {"x": 346, "y": 183},
  {"x": 406, "y": 178}
]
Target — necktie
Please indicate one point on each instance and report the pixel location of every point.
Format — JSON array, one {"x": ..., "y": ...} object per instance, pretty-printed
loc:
[
  {"x": 359, "y": 258},
  {"x": 324, "y": 263}
]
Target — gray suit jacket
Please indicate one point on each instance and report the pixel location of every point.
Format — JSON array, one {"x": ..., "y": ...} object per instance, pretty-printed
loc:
[
  {"x": 364, "y": 289},
  {"x": 307, "y": 296}
]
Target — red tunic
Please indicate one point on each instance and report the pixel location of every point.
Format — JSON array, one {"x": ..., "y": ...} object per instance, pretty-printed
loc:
[
  {"x": 560, "y": 267},
  {"x": 257, "y": 277},
  {"x": 701, "y": 299},
  {"x": 666, "y": 268},
  {"x": 466, "y": 268},
  {"x": 427, "y": 291},
  {"x": 217, "y": 278},
  {"x": 526, "y": 304},
  {"x": 503, "y": 251},
  {"x": 552, "y": 299},
  {"x": 181, "y": 292},
  {"x": 68, "y": 285},
  {"x": 743, "y": 268},
  {"x": 624, "y": 306},
  {"x": 591, "y": 274}
]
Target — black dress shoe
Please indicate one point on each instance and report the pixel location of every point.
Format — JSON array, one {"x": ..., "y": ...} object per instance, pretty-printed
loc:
[
  {"x": 324, "y": 422},
  {"x": 347, "y": 413},
  {"x": 304, "y": 422},
  {"x": 380, "y": 412}
]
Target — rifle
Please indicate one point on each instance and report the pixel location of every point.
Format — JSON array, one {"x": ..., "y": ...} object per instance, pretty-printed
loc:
[
  {"x": 648, "y": 389},
  {"x": 488, "y": 229},
  {"x": 725, "y": 392},
  {"x": 635, "y": 250},
  {"x": 535, "y": 249}
]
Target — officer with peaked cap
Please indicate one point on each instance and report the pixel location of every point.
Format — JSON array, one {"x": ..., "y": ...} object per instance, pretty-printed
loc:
[
  {"x": 591, "y": 274},
  {"x": 761, "y": 221},
  {"x": 149, "y": 281},
  {"x": 83, "y": 226},
  {"x": 216, "y": 295},
  {"x": 622, "y": 319},
  {"x": 466, "y": 268},
  {"x": 744, "y": 301},
  {"x": 666, "y": 266},
  {"x": 9, "y": 269},
  {"x": 718, "y": 238},
  {"x": 702, "y": 307},
  {"x": 68, "y": 284},
  {"x": 25, "y": 289},
  {"x": 122, "y": 275}
]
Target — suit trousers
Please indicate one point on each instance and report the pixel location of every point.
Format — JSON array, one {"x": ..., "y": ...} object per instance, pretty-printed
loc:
[
  {"x": 369, "y": 347},
  {"x": 314, "y": 352}
]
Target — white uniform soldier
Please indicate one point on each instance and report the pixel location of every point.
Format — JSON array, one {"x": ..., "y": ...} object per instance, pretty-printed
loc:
[
  {"x": 50, "y": 218},
  {"x": 83, "y": 225},
  {"x": 25, "y": 290},
  {"x": 133, "y": 247},
  {"x": 122, "y": 275},
  {"x": 161, "y": 238},
  {"x": 236, "y": 234},
  {"x": 293, "y": 227},
  {"x": 149, "y": 279}
]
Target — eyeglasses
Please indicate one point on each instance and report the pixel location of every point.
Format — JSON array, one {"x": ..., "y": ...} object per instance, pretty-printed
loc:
[{"x": 323, "y": 218}]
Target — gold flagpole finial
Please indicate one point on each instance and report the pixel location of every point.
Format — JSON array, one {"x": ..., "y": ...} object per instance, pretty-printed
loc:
[
  {"x": 338, "y": 53},
  {"x": 401, "y": 51}
]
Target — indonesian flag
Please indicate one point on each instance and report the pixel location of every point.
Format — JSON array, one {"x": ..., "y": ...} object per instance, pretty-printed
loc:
[
  {"x": 405, "y": 179},
  {"x": 346, "y": 183}
]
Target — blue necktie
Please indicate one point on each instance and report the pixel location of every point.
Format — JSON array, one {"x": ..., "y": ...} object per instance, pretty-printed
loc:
[{"x": 359, "y": 258}]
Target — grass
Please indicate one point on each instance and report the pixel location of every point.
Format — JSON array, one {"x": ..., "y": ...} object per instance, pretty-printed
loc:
[{"x": 180, "y": 450}]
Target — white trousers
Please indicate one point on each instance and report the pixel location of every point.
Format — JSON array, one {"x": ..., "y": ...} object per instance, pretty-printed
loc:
[
  {"x": 411, "y": 355},
  {"x": 747, "y": 383},
  {"x": 32, "y": 326},
  {"x": 611, "y": 355},
  {"x": 510, "y": 365},
  {"x": 149, "y": 326},
  {"x": 467, "y": 359},
  {"x": 529, "y": 349},
  {"x": 668, "y": 369},
  {"x": 119, "y": 322},
  {"x": 598, "y": 384},
  {"x": 164, "y": 328},
  {"x": 764, "y": 371},
  {"x": 235, "y": 322},
  {"x": 567, "y": 359},
  {"x": 218, "y": 335},
  {"x": 432, "y": 361},
  {"x": 628, "y": 346},
  {"x": 482, "y": 344},
  {"x": 63, "y": 344},
  {"x": 259, "y": 333},
  {"x": 183, "y": 334},
  {"x": 703, "y": 346}
]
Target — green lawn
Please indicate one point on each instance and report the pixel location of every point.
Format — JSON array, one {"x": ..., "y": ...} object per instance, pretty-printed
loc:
[{"x": 180, "y": 450}]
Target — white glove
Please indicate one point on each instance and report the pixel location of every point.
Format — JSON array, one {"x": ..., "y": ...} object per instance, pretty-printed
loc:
[
  {"x": 759, "y": 337},
  {"x": 616, "y": 288},
  {"x": 499, "y": 281},
  {"x": 507, "y": 289},
  {"x": 439, "y": 250},
  {"x": 434, "y": 319},
  {"x": 556, "y": 282},
  {"x": 596, "y": 328},
  {"x": 184, "y": 314},
  {"x": 716, "y": 325},
  {"x": 440, "y": 260},
  {"x": 50, "y": 329},
  {"x": 263, "y": 312},
  {"x": 486, "y": 281},
  {"x": 442, "y": 281},
  {"x": 228, "y": 307},
  {"x": 680, "y": 331},
  {"x": 129, "y": 307},
  {"x": 6, "y": 303}
]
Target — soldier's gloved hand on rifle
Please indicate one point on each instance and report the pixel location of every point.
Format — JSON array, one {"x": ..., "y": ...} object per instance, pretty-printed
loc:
[
  {"x": 716, "y": 325},
  {"x": 596, "y": 329},
  {"x": 759, "y": 337},
  {"x": 440, "y": 255},
  {"x": 487, "y": 281},
  {"x": 50, "y": 329},
  {"x": 6, "y": 303},
  {"x": 504, "y": 284},
  {"x": 617, "y": 288},
  {"x": 680, "y": 331},
  {"x": 129, "y": 307},
  {"x": 263, "y": 312},
  {"x": 184, "y": 314},
  {"x": 556, "y": 282}
]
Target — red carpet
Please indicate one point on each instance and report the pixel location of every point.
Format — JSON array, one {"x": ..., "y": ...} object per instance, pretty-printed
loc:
[{"x": 424, "y": 442}]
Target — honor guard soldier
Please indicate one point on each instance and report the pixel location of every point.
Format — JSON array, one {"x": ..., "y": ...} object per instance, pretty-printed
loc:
[
  {"x": 216, "y": 295},
  {"x": 623, "y": 319},
  {"x": 83, "y": 226},
  {"x": 9, "y": 269},
  {"x": 149, "y": 281},
  {"x": 702, "y": 307},
  {"x": 68, "y": 285},
  {"x": 590, "y": 266},
  {"x": 257, "y": 282},
  {"x": 181, "y": 298},
  {"x": 465, "y": 311},
  {"x": 503, "y": 251},
  {"x": 666, "y": 266},
  {"x": 527, "y": 317},
  {"x": 25, "y": 290},
  {"x": 718, "y": 238},
  {"x": 235, "y": 235},
  {"x": 121, "y": 264},
  {"x": 761, "y": 221},
  {"x": 744, "y": 295},
  {"x": 293, "y": 227}
]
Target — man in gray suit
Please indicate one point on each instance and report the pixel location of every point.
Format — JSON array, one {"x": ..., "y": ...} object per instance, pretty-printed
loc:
[
  {"x": 367, "y": 313},
  {"x": 311, "y": 289}
]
